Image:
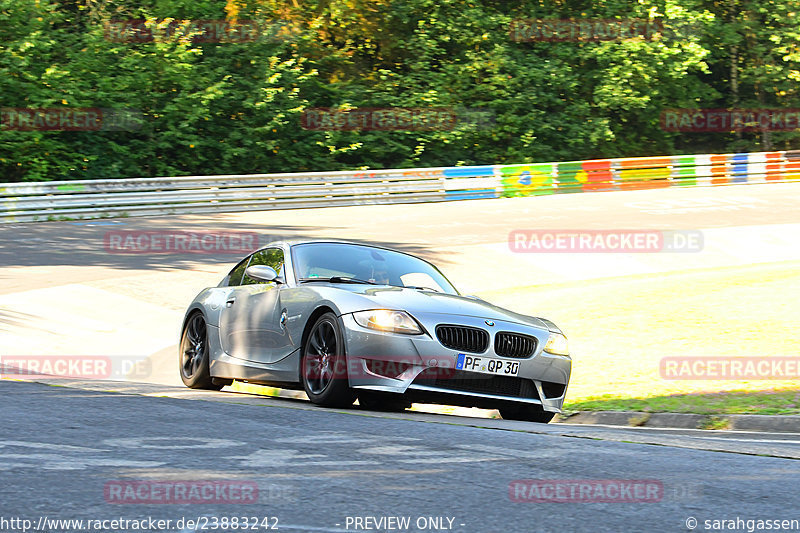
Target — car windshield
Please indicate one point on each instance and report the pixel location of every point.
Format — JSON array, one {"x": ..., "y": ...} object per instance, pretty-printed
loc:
[{"x": 366, "y": 264}]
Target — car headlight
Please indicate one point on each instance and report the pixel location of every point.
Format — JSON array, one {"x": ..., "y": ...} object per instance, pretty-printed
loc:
[
  {"x": 557, "y": 344},
  {"x": 388, "y": 320}
]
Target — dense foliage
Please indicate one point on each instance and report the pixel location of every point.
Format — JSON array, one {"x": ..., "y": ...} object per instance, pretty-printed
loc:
[{"x": 237, "y": 106}]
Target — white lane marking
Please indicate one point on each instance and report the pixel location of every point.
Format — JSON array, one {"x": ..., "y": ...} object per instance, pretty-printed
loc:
[
  {"x": 168, "y": 443},
  {"x": 382, "y": 454},
  {"x": 60, "y": 462},
  {"x": 339, "y": 438},
  {"x": 536, "y": 453},
  {"x": 403, "y": 450},
  {"x": 48, "y": 446},
  {"x": 283, "y": 458},
  {"x": 735, "y": 440},
  {"x": 437, "y": 460},
  {"x": 422, "y": 455}
]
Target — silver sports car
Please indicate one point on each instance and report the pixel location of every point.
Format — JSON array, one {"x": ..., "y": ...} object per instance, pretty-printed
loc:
[{"x": 344, "y": 321}]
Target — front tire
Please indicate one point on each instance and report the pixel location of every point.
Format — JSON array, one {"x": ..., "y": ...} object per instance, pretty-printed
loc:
[
  {"x": 527, "y": 413},
  {"x": 193, "y": 355},
  {"x": 323, "y": 366}
]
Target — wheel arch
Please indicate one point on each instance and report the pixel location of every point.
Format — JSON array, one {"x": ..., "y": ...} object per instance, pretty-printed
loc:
[
  {"x": 312, "y": 319},
  {"x": 193, "y": 309}
]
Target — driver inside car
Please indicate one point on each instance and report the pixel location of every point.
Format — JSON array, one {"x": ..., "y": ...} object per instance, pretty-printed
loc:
[
  {"x": 379, "y": 275},
  {"x": 374, "y": 272}
]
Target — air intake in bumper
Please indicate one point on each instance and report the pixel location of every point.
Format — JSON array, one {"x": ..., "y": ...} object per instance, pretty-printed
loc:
[{"x": 450, "y": 380}]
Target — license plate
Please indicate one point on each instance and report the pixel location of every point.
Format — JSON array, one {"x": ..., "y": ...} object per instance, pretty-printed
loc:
[{"x": 487, "y": 365}]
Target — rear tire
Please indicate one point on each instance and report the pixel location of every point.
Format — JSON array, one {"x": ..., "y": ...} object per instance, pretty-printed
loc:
[
  {"x": 527, "y": 413},
  {"x": 323, "y": 366},
  {"x": 193, "y": 355}
]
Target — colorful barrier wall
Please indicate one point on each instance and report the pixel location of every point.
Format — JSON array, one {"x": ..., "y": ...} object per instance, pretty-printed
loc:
[
  {"x": 648, "y": 173},
  {"x": 66, "y": 200}
]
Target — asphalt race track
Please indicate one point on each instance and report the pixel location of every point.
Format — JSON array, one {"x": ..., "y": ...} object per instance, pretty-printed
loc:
[
  {"x": 65, "y": 446},
  {"x": 315, "y": 468}
]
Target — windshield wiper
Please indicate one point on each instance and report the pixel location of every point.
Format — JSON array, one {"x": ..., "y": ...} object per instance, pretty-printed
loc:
[
  {"x": 422, "y": 288},
  {"x": 338, "y": 279}
]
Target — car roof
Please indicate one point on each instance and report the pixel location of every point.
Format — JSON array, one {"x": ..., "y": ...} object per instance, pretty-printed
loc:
[{"x": 295, "y": 242}]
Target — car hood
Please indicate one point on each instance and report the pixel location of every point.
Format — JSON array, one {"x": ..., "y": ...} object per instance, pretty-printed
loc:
[{"x": 418, "y": 301}]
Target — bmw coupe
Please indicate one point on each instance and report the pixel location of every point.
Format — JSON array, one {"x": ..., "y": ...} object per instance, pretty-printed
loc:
[{"x": 345, "y": 321}]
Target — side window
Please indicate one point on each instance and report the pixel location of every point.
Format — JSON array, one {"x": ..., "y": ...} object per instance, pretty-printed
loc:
[
  {"x": 235, "y": 276},
  {"x": 271, "y": 257}
]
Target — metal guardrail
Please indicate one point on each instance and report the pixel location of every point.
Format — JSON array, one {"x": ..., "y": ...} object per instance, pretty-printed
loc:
[{"x": 64, "y": 200}]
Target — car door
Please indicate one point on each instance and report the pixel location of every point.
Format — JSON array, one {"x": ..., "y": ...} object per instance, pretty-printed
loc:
[
  {"x": 250, "y": 324},
  {"x": 228, "y": 332}
]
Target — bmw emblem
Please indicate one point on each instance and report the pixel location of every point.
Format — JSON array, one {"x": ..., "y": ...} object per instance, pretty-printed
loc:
[{"x": 489, "y": 322}]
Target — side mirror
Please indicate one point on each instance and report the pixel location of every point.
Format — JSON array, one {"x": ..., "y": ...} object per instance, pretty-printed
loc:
[{"x": 262, "y": 273}]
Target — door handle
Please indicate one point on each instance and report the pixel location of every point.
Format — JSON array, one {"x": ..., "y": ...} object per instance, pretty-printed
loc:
[{"x": 230, "y": 302}]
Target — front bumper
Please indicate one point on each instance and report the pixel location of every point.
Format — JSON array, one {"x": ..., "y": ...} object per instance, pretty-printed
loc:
[{"x": 420, "y": 367}]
